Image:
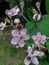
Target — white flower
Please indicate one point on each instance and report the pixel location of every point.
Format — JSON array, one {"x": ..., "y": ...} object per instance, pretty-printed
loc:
[
  {"x": 2, "y": 25},
  {"x": 16, "y": 21},
  {"x": 36, "y": 17}
]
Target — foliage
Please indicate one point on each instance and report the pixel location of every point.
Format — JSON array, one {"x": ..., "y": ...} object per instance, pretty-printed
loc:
[{"x": 10, "y": 55}]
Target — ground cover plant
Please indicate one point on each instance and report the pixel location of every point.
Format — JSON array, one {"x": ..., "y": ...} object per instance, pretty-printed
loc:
[{"x": 24, "y": 32}]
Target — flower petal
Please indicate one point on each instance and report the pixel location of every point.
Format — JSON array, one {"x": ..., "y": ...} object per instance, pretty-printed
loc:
[
  {"x": 26, "y": 61},
  {"x": 29, "y": 50},
  {"x": 35, "y": 61},
  {"x": 23, "y": 31},
  {"x": 14, "y": 11},
  {"x": 39, "y": 34},
  {"x": 43, "y": 39},
  {"x": 34, "y": 37},
  {"x": 33, "y": 46},
  {"x": 21, "y": 44},
  {"x": 36, "y": 42},
  {"x": 15, "y": 33},
  {"x": 26, "y": 37},
  {"x": 14, "y": 41},
  {"x": 38, "y": 53}
]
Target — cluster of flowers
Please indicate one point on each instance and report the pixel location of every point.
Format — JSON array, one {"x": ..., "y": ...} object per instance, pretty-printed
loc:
[
  {"x": 20, "y": 35},
  {"x": 15, "y": 11},
  {"x": 10, "y": 13}
]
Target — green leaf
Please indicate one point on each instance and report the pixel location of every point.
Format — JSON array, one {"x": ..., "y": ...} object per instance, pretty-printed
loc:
[
  {"x": 28, "y": 13},
  {"x": 13, "y": 3},
  {"x": 47, "y": 45},
  {"x": 47, "y": 6},
  {"x": 43, "y": 25},
  {"x": 29, "y": 25},
  {"x": 44, "y": 62}
]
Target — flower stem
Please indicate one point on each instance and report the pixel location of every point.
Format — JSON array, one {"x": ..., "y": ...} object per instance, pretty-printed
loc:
[{"x": 25, "y": 18}]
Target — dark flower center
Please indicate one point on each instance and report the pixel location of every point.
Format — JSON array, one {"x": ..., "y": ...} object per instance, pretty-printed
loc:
[
  {"x": 36, "y": 17},
  {"x": 29, "y": 58},
  {"x": 21, "y": 37}
]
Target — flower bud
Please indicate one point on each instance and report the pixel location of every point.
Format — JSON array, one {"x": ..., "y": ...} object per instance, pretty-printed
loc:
[
  {"x": 36, "y": 17},
  {"x": 16, "y": 21},
  {"x": 38, "y": 4}
]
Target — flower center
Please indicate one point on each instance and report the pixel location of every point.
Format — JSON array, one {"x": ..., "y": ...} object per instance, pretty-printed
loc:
[
  {"x": 29, "y": 58},
  {"x": 0, "y": 27},
  {"x": 36, "y": 17},
  {"x": 39, "y": 39},
  {"x": 21, "y": 37}
]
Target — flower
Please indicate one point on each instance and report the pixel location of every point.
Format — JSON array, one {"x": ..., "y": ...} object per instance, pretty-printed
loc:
[
  {"x": 2, "y": 25},
  {"x": 12, "y": 12},
  {"x": 39, "y": 39},
  {"x": 32, "y": 56},
  {"x": 36, "y": 17},
  {"x": 16, "y": 21},
  {"x": 30, "y": 59},
  {"x": 19, "y": 36}
]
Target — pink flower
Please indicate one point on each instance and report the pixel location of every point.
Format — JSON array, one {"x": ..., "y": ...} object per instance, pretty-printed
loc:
[
  {"x": 12, "y": 12},
  {"x": 32, "y": 56},
  {"x": 39, "y": 39},
  {"x": 30, "y": 59},
  {"x": 2, "y": 25},
  {"x": 19, "y": 36}
]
